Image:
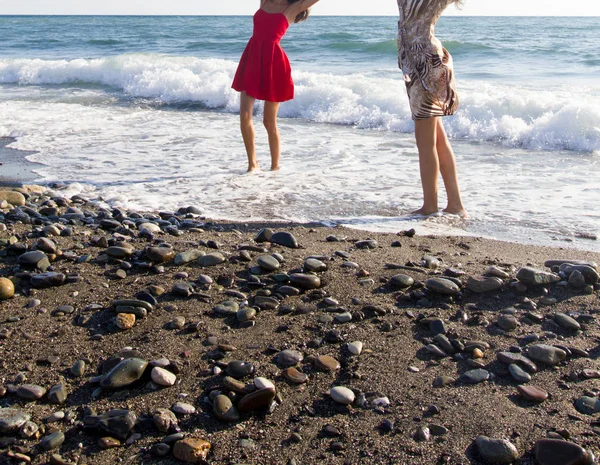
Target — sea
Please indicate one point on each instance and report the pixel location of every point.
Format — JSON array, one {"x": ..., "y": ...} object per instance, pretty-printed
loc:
[{"x": 138, "y": 112}]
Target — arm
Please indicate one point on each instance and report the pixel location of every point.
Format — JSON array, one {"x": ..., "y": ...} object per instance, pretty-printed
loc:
[{"x": 296, "y": 8}]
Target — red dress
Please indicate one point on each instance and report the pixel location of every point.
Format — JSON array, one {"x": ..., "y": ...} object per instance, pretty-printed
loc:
[{"x": 264, "y": 71}]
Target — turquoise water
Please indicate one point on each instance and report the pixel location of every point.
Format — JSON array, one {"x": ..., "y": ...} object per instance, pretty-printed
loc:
[{"x": 138, "y": 111}]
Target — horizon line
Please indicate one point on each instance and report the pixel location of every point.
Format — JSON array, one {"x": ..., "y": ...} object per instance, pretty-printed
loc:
[{"x": 314, "y": 15}]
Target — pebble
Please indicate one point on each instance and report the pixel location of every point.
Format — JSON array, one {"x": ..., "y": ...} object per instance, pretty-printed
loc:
[
  {"x": 474, "y": 376},
  {"x": 163, "y": 377},
  {"x": 559, "y": 452},
  {"x": 125, "y": 373},
  {"x": 11, "y": 419},
  {"x": 288, "y": 358},
  {"x": 342, "y": 395},
  {"x": 58, "y": 394},
  {"x": 285, "y": 239},
  {"x": 481, "y": 284},
  {"x": 533, "y": 393},
  {"x": 519, "y": 374},
  {"x": 566, "y": 322},
  {"x": 305, "y": 281},
  {"x": 239, "y": 369},
  {"x": 188, "y": 256},
  {"x": 355, "y": 348},
  {"x": 52, "y": 441},
  {"x": 264, "y": 235},
  {"x": 47, "y": 280},
  {"x": 497, "y": 272},
  {"x": 7, "y": 289},
  {"x": 257, "y": 400},
  {"x": 588, "y": 405},
  {"x": 211, "y": 259},
  {"x": 164, "y": 420},
  {"x": 327, "y": 363},
  {"x": 295, "y": 376},
  {"x": 224, "y": 410},
  {"x": 125, "y": 321},
  {"x": 268, "y": 263},
  {"x": 314, "y": 265},
  {"x": 437, "y": 326},
  {"x": 442, "y": 286},
  {"x": 546, "y": 354},
  {"x": 191, "y": 450},
  {"x": 108, "y": 443},
  {"x": 401, "y": 281},
  {"x": 117, "y": 422},
  {"x": 31, "y": 392},
  {"x": 535, "y": 277},
  {"x": 183, "y": 408},
  {"x": 496, "y": 450},
  {"x": 507, "y": 322}
]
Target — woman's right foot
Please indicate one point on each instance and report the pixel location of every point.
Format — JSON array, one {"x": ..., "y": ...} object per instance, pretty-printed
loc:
[{"x": 253, "y": 167}]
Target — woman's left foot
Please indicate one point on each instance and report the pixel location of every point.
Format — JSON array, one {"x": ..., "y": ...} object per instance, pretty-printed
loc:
[{"x": 275, "y": 168}]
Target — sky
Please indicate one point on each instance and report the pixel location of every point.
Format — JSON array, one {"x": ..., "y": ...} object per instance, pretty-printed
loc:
[{"x": 324, "y": 7}]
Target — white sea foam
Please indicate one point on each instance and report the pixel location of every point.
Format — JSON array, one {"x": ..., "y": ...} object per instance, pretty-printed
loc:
[{"x": 513, "y": 115}]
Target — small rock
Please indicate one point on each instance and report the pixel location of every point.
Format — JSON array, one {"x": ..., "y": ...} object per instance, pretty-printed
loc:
[
  {"x": 163, "y": 377},
  {"x": 496, "y": 450},
  {"x": 191, "y": 450},
  {"x": 342, "y": 395}
]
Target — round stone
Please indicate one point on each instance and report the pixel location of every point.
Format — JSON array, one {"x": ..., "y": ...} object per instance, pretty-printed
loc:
[
  {"x": 268, "y": 263},
  {"x": 442, "y": 286},
  {"x": 587, "y": 405},
  {"x": 224, "y": 409},
  {"x": 481, "y": 284},
  {"x": 401, "y": 281},
  {"x": 211, "y": 259},
  {"x": 12, "y": 419},
  {"x": 125, "y": 321},
  {"x": 246, "y": 314},
  {"x": 263, "y": 383},
  {"x": 566, "y": 322},
  {"x": 78, "y": 368},
  {"x": 284, "y": 238},
  {"x": 342, "y": 395},
  {"x": 314, "y": 265},
  {"x": 257, "y": 400},
  {"x": 239, "y": 369},
  {"x": 191, "y": 450},
  {"x": 559, "y": 452},
  {"x": 289, "y": 358},
  {"x": 475, "y": 376},
  {"x": 507, "y": 322},
  {"x": 496, "y": 450},
  {"x": 305, "y": 281},
  {"x": 53, "y": 441},
  {"x": 31, "y": 392},
  {"x": 163, "y": 377},
  {"x": 533, "y": 393},
  {"x": 294, "y": 376},
  {"x": 355, "y": 348},
  {"x": 7, "y": 289},
  {"x": 327, "y": 363},
  {"x": 183, "y": 408},
  {"x": 160, "y": 254},
  {"x": 546, "y": 354},
  {"x": 518, "y": 373},
  {"x": 125, "y": 373}
]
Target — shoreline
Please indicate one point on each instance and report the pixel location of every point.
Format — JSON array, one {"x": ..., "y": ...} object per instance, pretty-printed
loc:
[
  {"x": 15, "y": 169},
  {"x": 415, "y": 399}
]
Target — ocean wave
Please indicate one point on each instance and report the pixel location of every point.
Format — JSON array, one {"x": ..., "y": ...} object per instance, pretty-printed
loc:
[{"x": 514, "y": 115}]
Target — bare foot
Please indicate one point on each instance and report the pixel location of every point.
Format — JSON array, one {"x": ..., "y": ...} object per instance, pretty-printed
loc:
[
  {"x": 275, "y": 168},
  {"x": 423, "y": 212},
  {"x": 457, "y": 211},
  {"x": 253, "y": 167}
]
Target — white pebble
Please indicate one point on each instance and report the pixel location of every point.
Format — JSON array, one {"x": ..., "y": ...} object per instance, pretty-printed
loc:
[
  {"x": 355, "y": 347},
  {"x": 342, "y": 395},
  {"x": 163, "y": 377},
  {"x": 263, "y": 383}
]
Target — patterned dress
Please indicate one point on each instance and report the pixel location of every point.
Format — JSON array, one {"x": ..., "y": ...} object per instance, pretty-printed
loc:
[{"x": 426, "y": 65}]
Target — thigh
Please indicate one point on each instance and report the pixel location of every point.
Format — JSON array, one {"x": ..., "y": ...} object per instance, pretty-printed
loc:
[
  {"x": 246, "y": 103},
  {"x": 271, "y": 111},
  {"x": 426, "y": 132}
]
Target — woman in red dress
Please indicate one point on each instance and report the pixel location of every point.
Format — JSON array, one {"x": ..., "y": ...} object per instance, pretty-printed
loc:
[{"x": 264, "y": 72}]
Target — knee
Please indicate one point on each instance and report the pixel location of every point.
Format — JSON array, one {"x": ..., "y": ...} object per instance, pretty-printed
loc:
[
  {"x": 246, "y": 118},
  {"x": 270, "y": 126}
]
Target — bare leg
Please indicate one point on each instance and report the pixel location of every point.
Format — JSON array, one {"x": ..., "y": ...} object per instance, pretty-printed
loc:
[
  {"x": 247, "y": 127},
  {"x": 448, "y": 170},
  {"x": 270, "y": 122},
  {"x": 425, "y": 133}
]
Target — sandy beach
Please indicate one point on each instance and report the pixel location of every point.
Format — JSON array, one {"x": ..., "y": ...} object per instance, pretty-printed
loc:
[{"x": 313, "y": 346}]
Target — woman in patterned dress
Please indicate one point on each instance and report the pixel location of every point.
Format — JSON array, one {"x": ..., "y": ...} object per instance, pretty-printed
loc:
[{"x": 429, "y": 79}]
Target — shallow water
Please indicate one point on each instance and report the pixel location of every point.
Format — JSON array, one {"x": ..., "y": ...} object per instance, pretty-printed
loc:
[{"x": 138, "y": 112}]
